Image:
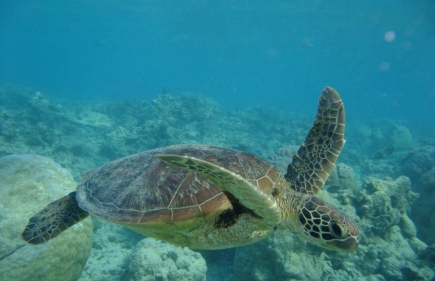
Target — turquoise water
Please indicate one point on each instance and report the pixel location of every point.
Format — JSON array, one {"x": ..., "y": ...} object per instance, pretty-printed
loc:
[
  {"x": 87, "y": 82},
  {"x": 239, "y": 53}
]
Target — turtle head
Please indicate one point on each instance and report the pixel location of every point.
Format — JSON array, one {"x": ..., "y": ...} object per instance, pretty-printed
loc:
[{"x": 326, "y": 226}]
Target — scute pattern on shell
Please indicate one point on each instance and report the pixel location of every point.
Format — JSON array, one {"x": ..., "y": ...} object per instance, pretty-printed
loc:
[{"x": 141, "y": 187}]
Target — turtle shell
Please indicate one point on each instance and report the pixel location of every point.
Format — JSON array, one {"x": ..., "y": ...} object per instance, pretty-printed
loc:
[{"x": 142, "y": 189}]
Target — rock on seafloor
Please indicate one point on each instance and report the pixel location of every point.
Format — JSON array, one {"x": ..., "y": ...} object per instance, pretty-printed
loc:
[
  {"x": 422, "y": 212},
  {"x": 156, "y": 260},
  {"x": 384, "y": 133},
  {"x": 418, "y": 161},
  {"x": 27, "y": 184}
]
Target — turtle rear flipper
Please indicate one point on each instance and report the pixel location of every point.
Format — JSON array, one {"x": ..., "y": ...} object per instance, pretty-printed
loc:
[{"x": 53, "y": 219}]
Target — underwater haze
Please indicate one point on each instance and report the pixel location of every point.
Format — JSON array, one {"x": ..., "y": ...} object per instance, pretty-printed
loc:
[
  {"x": 86, "y": 82},
  {"x": 379, "y": 54}
]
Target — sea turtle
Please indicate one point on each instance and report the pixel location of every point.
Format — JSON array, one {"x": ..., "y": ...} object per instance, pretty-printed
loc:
[{"x": 208, "y": 197}]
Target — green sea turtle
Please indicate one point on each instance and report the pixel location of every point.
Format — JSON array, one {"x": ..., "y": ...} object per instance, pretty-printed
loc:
[{"x": 208, "y": 197}]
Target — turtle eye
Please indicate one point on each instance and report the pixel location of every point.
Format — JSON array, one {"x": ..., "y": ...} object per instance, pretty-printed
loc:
[{"x": 336, "y": 228}]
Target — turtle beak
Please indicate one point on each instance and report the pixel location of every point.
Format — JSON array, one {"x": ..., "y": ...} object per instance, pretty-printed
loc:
[{"x": 349, "y": 244}]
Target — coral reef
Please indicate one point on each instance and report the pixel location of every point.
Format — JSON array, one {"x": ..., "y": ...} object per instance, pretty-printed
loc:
[
  {"x": 382, "y": 203},
  {"x": 345, "y": 171},
  {"x": 419, "y": 165},
  {"x": 284, "y": 256},
  {"x": 387, "y": 133},
  {"x": 112, "y": 245},
  {"x": 422, "y": 212},
  {"x": 81, "y": 136},
  {"x": 382, "y": 206},
  {"x": 418, "y": 161},
  {"x": 346, "y": 177},
  {"x": 28, "y": 183},
  {"x": 157, "y": 260},
  {"x": 381, "y": 134}
]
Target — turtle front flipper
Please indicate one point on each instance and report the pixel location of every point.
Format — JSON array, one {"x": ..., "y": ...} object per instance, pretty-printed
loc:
[
  {"x": 53, "y": 219},
  {"x": 249, "y": 195},
  {"x": 316, "y": 157}
]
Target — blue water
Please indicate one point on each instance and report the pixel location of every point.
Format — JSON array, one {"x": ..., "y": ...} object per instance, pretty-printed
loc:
[
  {"x": 240, "y": 53},
  {"x": 378, "y": 54}
]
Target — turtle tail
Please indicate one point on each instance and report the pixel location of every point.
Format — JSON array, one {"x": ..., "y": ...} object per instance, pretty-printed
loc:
[{"x": 55, "y": 218}]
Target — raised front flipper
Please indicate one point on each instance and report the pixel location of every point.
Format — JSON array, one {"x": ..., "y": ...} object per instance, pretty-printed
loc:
[
  {"x": 249, "y": 195},
  {"x": 53, "y": 219},
  {"x": 316, "y": 157}
]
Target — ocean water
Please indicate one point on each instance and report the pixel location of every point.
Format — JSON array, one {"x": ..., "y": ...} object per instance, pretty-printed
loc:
[{"x": 87, "y": 82}]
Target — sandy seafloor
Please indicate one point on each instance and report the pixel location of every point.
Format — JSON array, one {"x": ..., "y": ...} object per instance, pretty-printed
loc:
[{"x": 81, "y": 136}]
